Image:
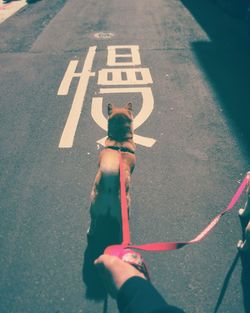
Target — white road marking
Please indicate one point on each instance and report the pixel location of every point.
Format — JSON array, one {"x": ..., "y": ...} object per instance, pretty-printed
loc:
[
  {"x": 69, "y": 131},
  {"x": 8, "y": 9},
  {"x": 117, "y": 56},
  {"x": 113, "y": 56},
  {"x": 68, "y": 76},
  {"x": 124, "y": 76},
  {"x": 97, "y": 114},
  {"x": 139, "y": 119}
]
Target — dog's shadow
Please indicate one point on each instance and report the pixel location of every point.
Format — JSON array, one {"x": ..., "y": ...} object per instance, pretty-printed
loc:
[{"x": 108, "y": 232}]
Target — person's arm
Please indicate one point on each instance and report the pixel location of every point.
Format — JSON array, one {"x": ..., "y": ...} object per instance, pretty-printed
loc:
[
  {"x": 133, "y": 292},
  {"x": 139, "y": 295}
]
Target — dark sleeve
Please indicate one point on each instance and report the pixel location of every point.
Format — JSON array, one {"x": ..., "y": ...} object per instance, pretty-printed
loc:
[{"x": 139, "y": 295}]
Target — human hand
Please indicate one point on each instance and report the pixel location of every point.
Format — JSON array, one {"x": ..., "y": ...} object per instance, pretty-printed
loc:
[{"x": 115, "y": 272}]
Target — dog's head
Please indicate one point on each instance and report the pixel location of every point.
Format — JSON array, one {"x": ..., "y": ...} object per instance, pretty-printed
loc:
[{"x": 120, "y": 122}]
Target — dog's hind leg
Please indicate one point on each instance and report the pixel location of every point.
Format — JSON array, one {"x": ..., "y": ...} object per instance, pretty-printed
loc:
[
  {"x": 246, "y": 211},
  {"x": 94, "y": 191},
  {"x": 92, "y": 226},
  {"x": 245, "y": 245}
]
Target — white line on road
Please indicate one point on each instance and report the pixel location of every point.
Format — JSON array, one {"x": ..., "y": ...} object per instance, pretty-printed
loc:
[
  {"x": 68, "y": 134},
  {"x": 10, "y": 8}
]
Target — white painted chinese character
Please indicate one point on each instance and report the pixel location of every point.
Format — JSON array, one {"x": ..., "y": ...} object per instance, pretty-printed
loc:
[
  {"x": 126, "y": 76},
  {"x": 69, "y": 131},
  {"x": 131, "y": 57}
]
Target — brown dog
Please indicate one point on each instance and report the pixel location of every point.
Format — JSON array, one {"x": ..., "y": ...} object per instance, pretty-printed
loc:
[
  {"x": 105, "y": 195},
  {"x": 245, "y": 213}
]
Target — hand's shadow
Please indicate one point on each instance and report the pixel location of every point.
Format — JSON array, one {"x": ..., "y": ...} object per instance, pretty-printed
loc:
[{"x": 108, "y": 232}]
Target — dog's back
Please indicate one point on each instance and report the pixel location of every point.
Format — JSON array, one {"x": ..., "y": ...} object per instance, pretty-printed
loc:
[
  {"x": 106, "y": 203},
  {"x": 109, "y": 162},
  {"x": 105, "y": 194}
]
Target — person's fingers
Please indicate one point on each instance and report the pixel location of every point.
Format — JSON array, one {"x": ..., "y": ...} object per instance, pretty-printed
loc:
[{"x": 105, "y": 260}]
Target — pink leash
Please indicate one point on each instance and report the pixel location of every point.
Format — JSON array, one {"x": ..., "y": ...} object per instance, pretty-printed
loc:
[
  {"x": 166, "y": 246},
  {"x": 124, "y": 206}
]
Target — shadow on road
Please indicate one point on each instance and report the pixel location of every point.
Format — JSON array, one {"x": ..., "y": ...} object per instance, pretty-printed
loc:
[
  {"x": 8, "y": 1},
  {"x": 94, "y": 286},
  {"x": 32, "y": 1},
  {"x": 245, "y": 280},
  {"x": 226, "y": 282},
  {"x": 225, "y": 60},
  {"x": 108, "y": 233},
  {"x": 28, "y": 1}
]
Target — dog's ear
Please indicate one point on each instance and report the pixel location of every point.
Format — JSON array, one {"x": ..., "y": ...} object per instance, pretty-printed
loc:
[
  {"x": 129, "y": 107},
  {"x": 110, "y": 108}
]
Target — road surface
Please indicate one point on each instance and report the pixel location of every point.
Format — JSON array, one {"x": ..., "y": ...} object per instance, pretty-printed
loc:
[{"x": 185, "y": 67}]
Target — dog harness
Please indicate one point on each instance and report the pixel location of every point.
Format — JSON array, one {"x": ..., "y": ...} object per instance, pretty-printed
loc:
[{"x": 121, "y": 149}]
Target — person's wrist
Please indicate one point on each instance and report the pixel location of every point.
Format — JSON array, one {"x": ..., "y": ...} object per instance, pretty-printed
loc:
[
  {"x": 115, "y": 272},
  {"x": 127, "y": 274}
]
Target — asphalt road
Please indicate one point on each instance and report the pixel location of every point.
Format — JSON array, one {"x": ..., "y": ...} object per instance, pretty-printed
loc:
[{"x": 198, "y": 59}]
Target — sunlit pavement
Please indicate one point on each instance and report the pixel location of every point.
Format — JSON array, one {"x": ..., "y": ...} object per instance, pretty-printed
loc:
[{"x": 9, "y": 8}]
